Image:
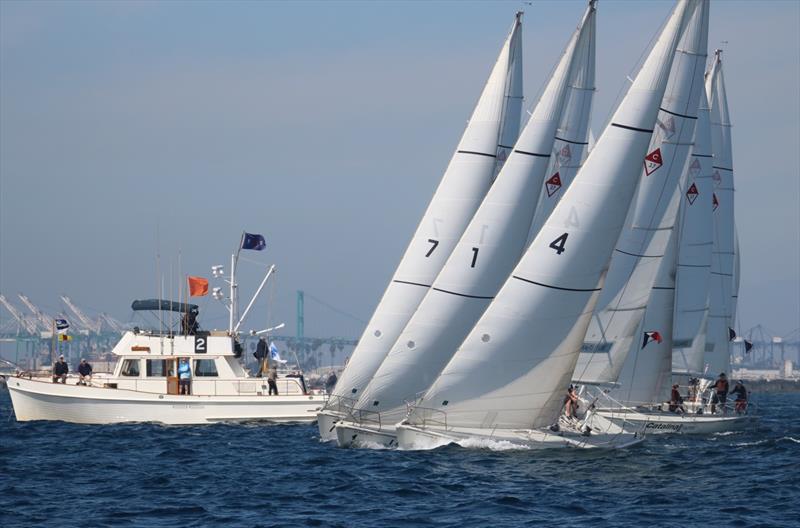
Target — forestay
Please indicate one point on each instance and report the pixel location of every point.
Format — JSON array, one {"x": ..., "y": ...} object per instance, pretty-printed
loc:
[
  {"x": 694, "y": 254},
  {"x": 490, "y": 247},
  {"x": 635, "y": 262},
  {"x": 512, "y": 369},
  {"x": 463, "y": 186},
  {"x": 722, "y": 261}
]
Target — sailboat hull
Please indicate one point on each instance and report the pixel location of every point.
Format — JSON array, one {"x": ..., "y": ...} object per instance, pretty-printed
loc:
[
  {"x": 417, "y": 438},
  {"x": 326, "y": 423},
  {"x": 349, "y": 434},
  {"x": 671, "y": 423}
]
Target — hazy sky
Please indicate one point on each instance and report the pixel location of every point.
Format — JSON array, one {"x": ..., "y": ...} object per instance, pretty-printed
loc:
[{"x": 132, "y": 127}]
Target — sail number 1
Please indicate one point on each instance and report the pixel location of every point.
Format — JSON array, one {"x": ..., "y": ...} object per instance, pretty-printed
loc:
[{"x": 559, "y": 243}]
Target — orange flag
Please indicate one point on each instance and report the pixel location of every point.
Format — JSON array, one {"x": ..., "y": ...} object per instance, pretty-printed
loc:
[{"x": 198, "y": 286}]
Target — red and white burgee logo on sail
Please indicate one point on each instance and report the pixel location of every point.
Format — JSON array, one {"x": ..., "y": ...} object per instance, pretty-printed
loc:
[
  {"x": 553, "y": 184},
  {"x": 714, "y": 202},
  {"x": 694, "y": 168},
  {"x": 652, "y": 162},
  {"x": 717, "y": 178},
  {"x": 651, "y": 336},
  {"x": 564, "y": 155},
  {"x": 692, "y": 193}
]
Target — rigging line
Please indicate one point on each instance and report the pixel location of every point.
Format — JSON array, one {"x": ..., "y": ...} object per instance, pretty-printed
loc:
[{"x": 335, "y": 309}]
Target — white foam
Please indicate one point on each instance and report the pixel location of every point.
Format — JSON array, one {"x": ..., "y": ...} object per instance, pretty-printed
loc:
[{"x": 488, "y": 443}]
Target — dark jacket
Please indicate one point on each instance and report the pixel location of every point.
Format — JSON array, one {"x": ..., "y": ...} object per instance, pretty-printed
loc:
[
  {"x": 261, "y": 350},
  {"x": 60, "y": 368},
  {"x": 740, "y": 392},
  {"x": 84, "y": 369},
  {"x": 721, "y": 386}
]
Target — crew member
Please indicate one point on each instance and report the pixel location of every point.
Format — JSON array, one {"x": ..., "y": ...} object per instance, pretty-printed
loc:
[
  {"x": 720, "y": 393},
  {"x": 85, "y": 371},
  {"x": 571, "y": 402},
  {"x": 676, "y": 401},
  {"x": 60, "y": 370},
  {"x": 261, "y": 353},
  {"x": 740, "y": 404},
  {"x": 185, "y": 376},
  {"x": 330, "y": 383},
  {"x": 272, "y": 381}
]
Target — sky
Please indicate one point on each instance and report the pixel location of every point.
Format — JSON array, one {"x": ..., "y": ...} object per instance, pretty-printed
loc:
[{"x": 139, "y": 139}]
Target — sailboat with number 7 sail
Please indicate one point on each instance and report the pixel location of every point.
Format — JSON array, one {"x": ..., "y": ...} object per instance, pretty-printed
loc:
[{"x": 175, "y": 374}]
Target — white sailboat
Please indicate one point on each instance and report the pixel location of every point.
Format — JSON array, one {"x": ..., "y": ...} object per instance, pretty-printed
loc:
[
  {"x": 494, "y": 126},
  {"x": 485, "y": 255},
  {"x": 647, "y": 369},
  {"x": 723, "y": 258},
  {"x": 615, "y": 329},
  {"x": 507, "y": 379}
]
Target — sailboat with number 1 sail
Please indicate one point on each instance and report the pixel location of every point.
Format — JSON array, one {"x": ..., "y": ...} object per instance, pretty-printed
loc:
[{"x": 508, "y": 378}]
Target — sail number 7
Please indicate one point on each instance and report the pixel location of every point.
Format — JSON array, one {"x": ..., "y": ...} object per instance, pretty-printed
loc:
[
  {"x": 433, "y": 246},
  {"x": 559, "y": 243}
]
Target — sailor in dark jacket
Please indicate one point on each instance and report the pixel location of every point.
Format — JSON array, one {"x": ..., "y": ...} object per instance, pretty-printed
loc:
[
  {"x": 60, "y": 370},
  {"x": 261, "y": 356},
  {"x": 85, "y": 371}
]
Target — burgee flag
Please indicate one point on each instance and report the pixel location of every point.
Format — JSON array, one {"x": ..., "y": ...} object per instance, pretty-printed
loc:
[
  {"x": 254, "y": 241},
  {"x": 61, "y": 325},
  {"x": 274, "y": 355},
  {"x": 198, "y": 286}
]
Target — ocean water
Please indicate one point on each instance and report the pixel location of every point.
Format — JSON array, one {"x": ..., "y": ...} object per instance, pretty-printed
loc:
[{"x": 58, "y": 474}]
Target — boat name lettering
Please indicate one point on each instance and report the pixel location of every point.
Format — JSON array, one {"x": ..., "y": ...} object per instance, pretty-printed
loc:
[
  {"x": 138, "y": 348},
  {"x": 664, "y": 426}
]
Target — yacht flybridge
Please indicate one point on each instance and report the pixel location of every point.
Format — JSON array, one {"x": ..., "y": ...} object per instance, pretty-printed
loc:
[{"x": 185, "y": 377}]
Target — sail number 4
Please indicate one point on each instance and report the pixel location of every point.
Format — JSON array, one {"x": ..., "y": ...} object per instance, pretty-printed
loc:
[{"x": 559, "y": 243}]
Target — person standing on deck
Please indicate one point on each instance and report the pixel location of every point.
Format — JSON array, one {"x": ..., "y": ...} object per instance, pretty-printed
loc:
[
  {"x": 272, "y": 381},
  {"x": 720, "y": 393},
  {"x": 261, "y": 354},
  {"x": 185, "y": 377}
]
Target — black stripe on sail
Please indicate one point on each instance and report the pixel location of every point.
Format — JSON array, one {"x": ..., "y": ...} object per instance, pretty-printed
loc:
[
  {"x": 702, "y": 155},
  {"x": 462, "y": 294},
  {"x": 723, "y": 274},
  {"x": 662, "y": 288},
  {"x": 722, "y": 168},
  {"x": 412, "y": 283},
  {"x": 476, "y": 153},
  {"x": 649, "y": 131},
  {"x": 556, "y": 287},
  {"x": 505, "y": 146},
  {"x": 573, "y": 142},
  {"x": 678, "y": 115},
  {"x": 532, "y": 154},
  {"x": 694, "y": 265},
  {"x": 638, "y": 255}
]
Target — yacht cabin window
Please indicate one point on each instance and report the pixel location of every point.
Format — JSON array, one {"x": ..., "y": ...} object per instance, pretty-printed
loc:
[
  {"x": 156, "y": 368},
  {"x": 205, "y": 368},
  {"x": 130, "y": 367}
]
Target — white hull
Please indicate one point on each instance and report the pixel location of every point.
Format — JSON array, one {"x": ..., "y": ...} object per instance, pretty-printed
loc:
[
  {"x": 326, "y": 422},
  {"x": 42, "y": 400},
  {"x": 349, "y": 434},
  {"x": 665, "y": 423},
  {"x": 415, "y": 438}
]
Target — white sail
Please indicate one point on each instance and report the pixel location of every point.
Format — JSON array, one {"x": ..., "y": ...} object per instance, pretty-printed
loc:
[
  {"x": 722, "y": 262},
  {"x": 463, "y": 186},
  {"x": 652, "y": 216},
  {"x": 488, "y": 250},
  {"x": 646, "y": 373},
  {"x": 511, "y": 370},
  {"x": 694, "y": 254}
]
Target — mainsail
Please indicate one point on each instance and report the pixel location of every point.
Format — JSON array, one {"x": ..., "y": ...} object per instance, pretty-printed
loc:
[
  {"x": 694, "y": 254},
  {"x": 512, "y": 369},
  {"x": 494, "y": 125},
  {"x": 722, "y": 261},
  {"x": 613, "y": 331},
  {"x": 491, "y": 245}
]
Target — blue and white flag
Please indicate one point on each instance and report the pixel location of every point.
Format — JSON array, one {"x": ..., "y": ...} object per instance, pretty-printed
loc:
[
  {"x": 274, "y": 355},
  {"x": 254, "y": 241},
  {"x": 62, "y": 325}
]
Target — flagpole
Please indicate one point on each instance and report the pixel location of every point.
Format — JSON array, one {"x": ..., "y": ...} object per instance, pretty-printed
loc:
[
  {"x": 234, "y": 295},
  {"x": 53, "y": 346}
]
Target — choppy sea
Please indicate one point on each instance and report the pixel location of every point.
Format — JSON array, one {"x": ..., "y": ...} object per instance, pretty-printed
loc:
[{"x": 59, "y": 474}]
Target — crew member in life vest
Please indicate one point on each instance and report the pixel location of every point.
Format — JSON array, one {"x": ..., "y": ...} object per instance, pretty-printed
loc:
[
  {"x": 676, "y": 401},
  {"x": 720, "y": 393}
]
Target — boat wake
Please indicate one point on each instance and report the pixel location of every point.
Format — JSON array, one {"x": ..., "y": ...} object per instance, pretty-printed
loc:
[{"x": 492, "y": 445}]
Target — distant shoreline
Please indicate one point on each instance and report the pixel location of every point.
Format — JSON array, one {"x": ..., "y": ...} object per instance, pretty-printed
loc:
[{"x": 772, "y": 385}]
